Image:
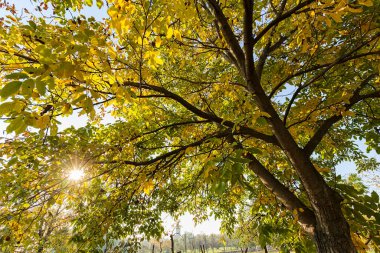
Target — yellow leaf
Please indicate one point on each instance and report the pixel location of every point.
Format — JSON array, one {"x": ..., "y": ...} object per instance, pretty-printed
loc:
[
  {"x": 305, "y": 46},
  {"x": 12, "y": 18},
  {"x": 158, "y": 41},
  {"x": 169, "y": 33},
  {"x": 66, "y": 108},
  {"x": 367, "y": 3},
  {"x": 35, "y": 94},
  {"x": 42, "y": 122},
  {"x": 158, "y": 60},
  {"x": 148, "y": 187},
  {"x": 359, "y": 242},
  {"x": 348, "y": 113},
  {"x": 336, "y": 17},
  {"x": 265, "y": 114},
  {"x": 328, "y": 22},
  {"x": 18, "y": 106},
  {"x": 321, "y": 170},
  {"x": 177, "y": 35},
  {"x": 113, "y": 11}
]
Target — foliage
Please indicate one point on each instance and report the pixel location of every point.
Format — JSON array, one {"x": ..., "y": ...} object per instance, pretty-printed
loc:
[{"x": 213, "y": 105}]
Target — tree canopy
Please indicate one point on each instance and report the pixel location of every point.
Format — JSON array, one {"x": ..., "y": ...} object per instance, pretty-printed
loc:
[{"x": 241, "y": 107}]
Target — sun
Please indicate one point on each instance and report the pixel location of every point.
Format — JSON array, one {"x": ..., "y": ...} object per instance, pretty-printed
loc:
[{"x": 76, "y": 174}]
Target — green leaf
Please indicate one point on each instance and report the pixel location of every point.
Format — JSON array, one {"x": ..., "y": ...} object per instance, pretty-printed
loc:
[
  {"x": 12, "y": 161},
  {"x": 220, "y": 187},
  {"x": 6, "y": 108},
  {"x": 254, "y": 150},
  {"x": 17, "y": 76},
  {"x": 17, "y": 125},
  {"x": 65, "y": 70},
  {"x": 27, "y": 87},
  {"x": 50, "y": 83},
  {"x": 32, "y": 24},
  {"x": 41, "y": 86},
  {"x": 15, "y": 106},
  {"x": 10, "y": 89},
  {"x": 54, "y": 130},
  {"x": 375, "y": 197}
]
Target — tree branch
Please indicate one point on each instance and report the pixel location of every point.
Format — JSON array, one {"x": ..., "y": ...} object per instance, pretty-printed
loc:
[
  {"x": 228, "y": 34},
  {"x": 282, "y": 193},
  {"x": 320, "y": 66},
  {"x": 306, "y": 217},
  {"x": 279, "y": 19},
  {"x": 269, "y": 48},
  {"x": 166, "y": 155},
  {"x": 321, "y": 74},
  {"x": 248, "y": 41},
  {"x": 20, "y": 55},
  {"x": 328, "y": 123},
  {"x": 202, "y": 114}
]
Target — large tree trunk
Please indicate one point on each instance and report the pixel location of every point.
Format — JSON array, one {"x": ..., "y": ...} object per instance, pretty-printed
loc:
[
  {"x": 324, "y": 220},
  {"x": 332, "y": 232},
  {"x": 330, "y": 228}
]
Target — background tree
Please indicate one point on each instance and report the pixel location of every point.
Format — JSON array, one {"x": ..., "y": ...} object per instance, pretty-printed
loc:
[{"x": 208, "y": 95}]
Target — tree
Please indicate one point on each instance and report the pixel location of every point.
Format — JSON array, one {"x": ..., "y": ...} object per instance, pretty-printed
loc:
[{"x": 207, "y": 94}]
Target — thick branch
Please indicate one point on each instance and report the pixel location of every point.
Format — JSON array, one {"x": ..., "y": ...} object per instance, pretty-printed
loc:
[
  {"x": 202, "y": 114},
  {"x": 282, "y": 193},
  {"x": 228, "y": 34},
  {"x": 248, "y": 41},
  {"x": 288, "y": 199}
]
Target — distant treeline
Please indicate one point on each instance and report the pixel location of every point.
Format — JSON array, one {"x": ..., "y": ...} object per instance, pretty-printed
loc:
[{"x": 201, "y": 243}]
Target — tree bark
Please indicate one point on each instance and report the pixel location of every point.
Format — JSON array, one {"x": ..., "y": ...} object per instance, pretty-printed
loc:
[
  {"x": 332, "y": 229},
  {"x": 332, "y": 232}
]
